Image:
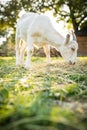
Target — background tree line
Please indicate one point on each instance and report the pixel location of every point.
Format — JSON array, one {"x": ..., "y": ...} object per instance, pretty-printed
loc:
[{"x": 76, "y": 14}]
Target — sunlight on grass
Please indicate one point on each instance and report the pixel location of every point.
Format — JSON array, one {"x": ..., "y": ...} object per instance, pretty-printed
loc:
[{"x": 49, "y": 96}]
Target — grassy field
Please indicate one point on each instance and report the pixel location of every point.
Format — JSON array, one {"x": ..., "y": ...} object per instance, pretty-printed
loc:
[{"x": 48, "y": 97}]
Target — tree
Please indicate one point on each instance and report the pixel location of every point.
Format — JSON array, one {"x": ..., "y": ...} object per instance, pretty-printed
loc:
[
  {"x": 8, "y": 14},
  {"x": 76, "y": 12}
]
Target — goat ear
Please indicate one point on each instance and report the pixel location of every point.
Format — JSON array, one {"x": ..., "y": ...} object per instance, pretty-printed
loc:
[
  {"x": 67, "y": 39},
  {"x": 74, "y": 36}
]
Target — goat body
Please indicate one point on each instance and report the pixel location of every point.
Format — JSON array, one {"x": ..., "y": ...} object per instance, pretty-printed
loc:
[{"x": 37, "y": 30}]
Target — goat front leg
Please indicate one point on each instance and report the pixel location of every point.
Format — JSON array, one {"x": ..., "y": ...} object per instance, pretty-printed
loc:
[{"x": 47, "y": 52}]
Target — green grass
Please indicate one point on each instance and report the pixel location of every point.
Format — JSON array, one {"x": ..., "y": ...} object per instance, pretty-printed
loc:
[{"x": 49, "y": 96}]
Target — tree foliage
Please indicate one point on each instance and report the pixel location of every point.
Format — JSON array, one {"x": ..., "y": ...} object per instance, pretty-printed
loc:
[
  {"x": 77, "y": 11},
  {"x": 73, "y": 11}
]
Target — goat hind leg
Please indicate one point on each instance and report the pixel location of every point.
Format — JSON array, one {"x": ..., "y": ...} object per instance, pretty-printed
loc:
[
  {"x": 29, "y": 52},
  {"x": 17, "y": 52},
  {"x": 28, "y": 60},
  {"x": 22, "y": 53},
  {"x": 47, "y": 52}
]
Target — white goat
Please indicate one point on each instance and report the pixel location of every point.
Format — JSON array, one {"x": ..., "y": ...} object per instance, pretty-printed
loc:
[{"x": 37, "y": 30}]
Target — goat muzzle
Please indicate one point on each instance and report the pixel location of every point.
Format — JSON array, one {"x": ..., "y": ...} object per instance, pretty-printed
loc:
[{"x": 71, "y": 63}]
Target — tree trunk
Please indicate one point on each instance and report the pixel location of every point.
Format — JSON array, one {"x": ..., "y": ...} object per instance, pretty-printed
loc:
[{"x": 75, "y": 24}]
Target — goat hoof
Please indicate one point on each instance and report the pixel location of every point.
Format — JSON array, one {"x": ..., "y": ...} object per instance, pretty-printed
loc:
[{"x": 27, "y": 67}]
